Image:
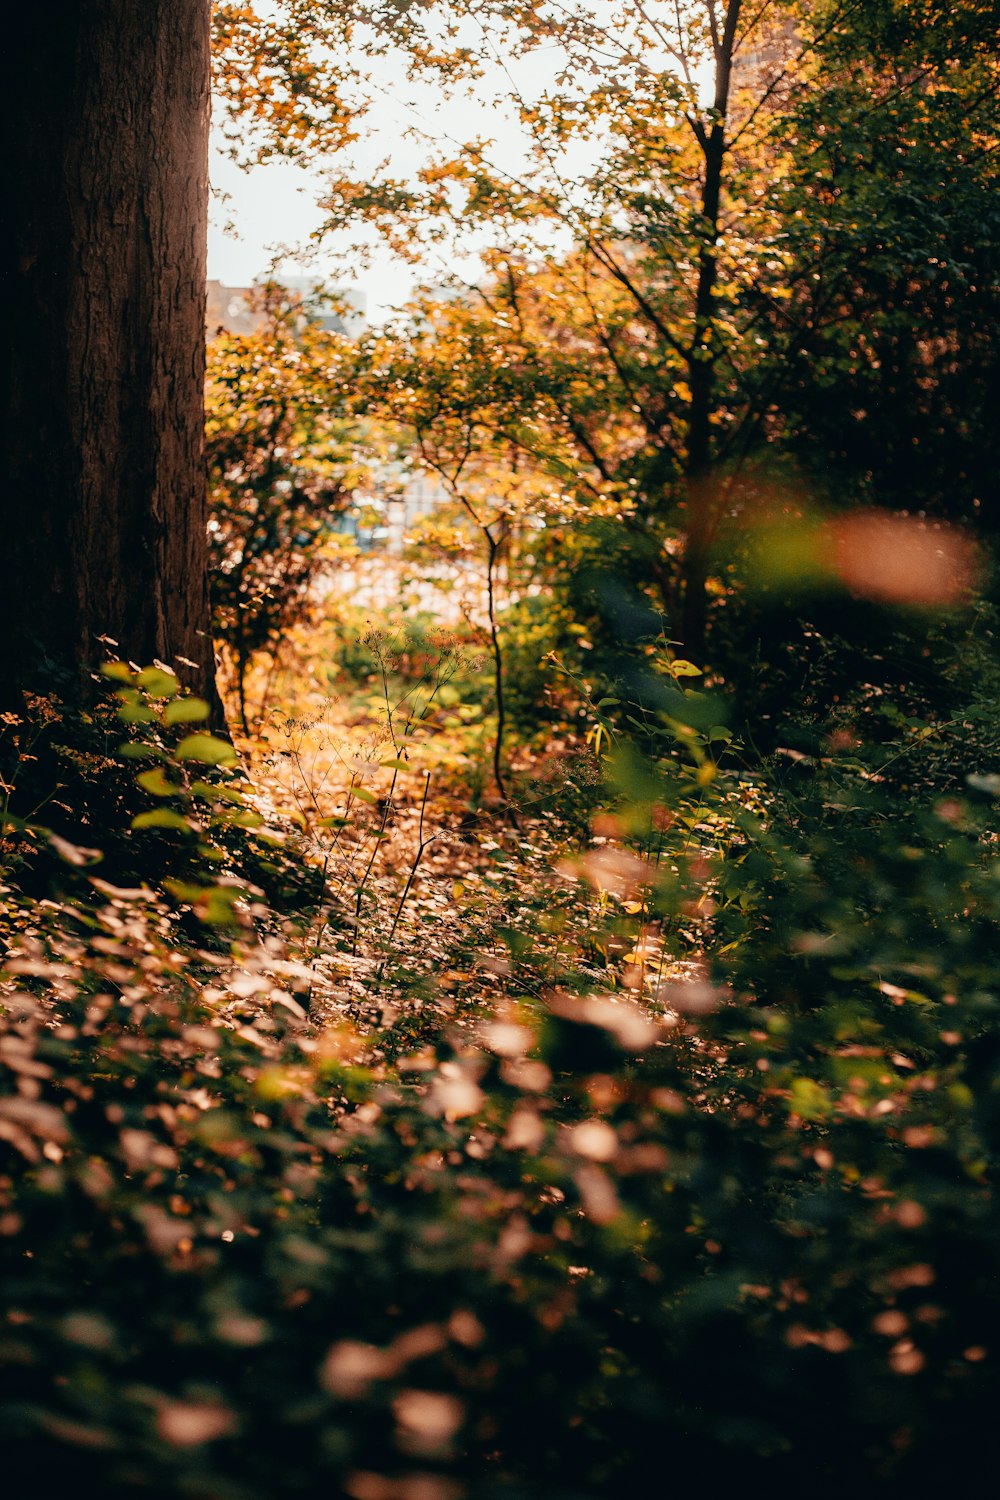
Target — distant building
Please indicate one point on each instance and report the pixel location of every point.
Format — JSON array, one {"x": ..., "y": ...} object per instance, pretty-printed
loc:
[
  {"x": 230, "y": 309},
  {"x": 384, "y": 519},
  {"x": 339, "y": 310},
  {"x": 421, "y": 494}
]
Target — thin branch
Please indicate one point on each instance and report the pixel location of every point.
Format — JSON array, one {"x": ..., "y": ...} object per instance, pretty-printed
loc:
[{"x": 422, "y": 844}]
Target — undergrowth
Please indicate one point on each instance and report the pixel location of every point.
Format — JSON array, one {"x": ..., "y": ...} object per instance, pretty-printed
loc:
[{"x": 490, "y": 1155}]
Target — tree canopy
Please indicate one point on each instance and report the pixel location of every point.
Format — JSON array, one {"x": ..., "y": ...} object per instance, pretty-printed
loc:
[{"x": 756, "y": 235}]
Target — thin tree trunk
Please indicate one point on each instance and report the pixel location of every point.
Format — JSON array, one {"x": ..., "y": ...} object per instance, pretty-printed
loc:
[
  {"x": 701, "y": 359},
  {"x": 498, "y": 682},
  {"x": 103, "y": 334}
]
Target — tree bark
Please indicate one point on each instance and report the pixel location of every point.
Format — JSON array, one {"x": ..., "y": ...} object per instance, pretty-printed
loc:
[{"x": 103, "y": 331}]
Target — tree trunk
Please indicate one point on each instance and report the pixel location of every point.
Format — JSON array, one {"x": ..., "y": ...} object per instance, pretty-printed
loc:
[
  {"x": 103, "y": 327},
  {"x": 701, "y": 362}
]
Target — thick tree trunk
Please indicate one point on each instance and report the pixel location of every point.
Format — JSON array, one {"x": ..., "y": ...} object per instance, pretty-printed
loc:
[{"x": 103, "y": 333}]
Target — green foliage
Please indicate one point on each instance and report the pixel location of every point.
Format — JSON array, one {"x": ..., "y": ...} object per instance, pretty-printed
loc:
[
  {"x": 741, "y": 1214},
  {"x": 887, "y": 388},
  {"x": 742, "y": 241},
  {"x": 284, "y": 462}
]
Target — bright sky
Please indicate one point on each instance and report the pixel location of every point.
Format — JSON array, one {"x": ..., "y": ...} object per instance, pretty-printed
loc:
[
  {"x": 275, "y": 206},
  {"x": 270, "y": 208}
]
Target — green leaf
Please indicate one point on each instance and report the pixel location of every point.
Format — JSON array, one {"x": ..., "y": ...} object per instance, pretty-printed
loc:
[
  {"x": 720, "y": 732},
  {"x": 182, "y": 890},
  {"x": 395, "y": 765},
  {"x": 213, "y": 904},
  {"x": 635, "y": 777},
  {"x": 211, "y": 793},
  {"x": 140, "y": 750},
  {"x": 157, "y": 784},
  {"x": 136, "y": 713},
  {"x": 158, "y": 682},
  {"x": 206, "y": 749},
  {"x": 186, "y": 711},
  {"x": 809, "y": 1099},
  {"x": 117, "y": 671},
  {"x": 364, "y": 795},
  {"x": 685, "y": 669},
  {"x": 238, "y": 818},
  {"x": 162, "y": 817}
]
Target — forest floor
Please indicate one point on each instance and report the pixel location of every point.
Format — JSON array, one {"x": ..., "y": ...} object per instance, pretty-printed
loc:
[
  {"x": 385, "y": 1135},
  {"x": 438, "y": 890}
]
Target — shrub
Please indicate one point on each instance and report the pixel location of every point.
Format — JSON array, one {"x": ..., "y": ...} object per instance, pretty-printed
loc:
[{"x": 741, "y": 1229}]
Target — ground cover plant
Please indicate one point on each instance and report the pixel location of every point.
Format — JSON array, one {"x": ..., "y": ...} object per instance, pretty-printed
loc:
[{"x": 689, "y": 1143}]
